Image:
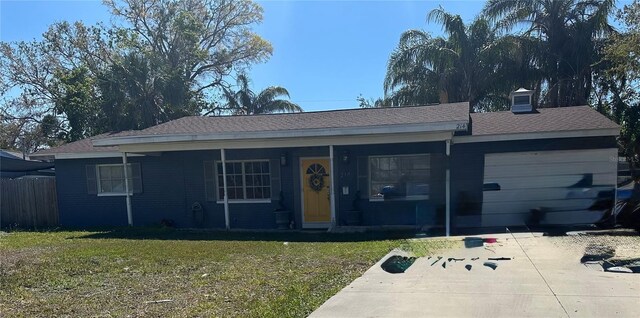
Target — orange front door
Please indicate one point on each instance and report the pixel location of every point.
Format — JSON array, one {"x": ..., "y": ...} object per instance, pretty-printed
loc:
[{"x": 316, "y": 174}]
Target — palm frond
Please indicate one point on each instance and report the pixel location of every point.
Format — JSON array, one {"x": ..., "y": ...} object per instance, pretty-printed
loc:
[
  {"x": 280, "y": 106},
  {"x": 270, "y": 93}
]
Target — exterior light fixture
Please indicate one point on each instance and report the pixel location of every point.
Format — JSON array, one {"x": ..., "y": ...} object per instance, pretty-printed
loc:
[
  {"x": 345, "y": 157},
  {"x": 283, "y": 159}
]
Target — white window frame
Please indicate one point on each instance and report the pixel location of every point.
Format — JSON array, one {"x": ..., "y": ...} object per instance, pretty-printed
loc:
[
  {"x": 113, "y": 194},
  {"x": 406, "y": 198},
  {"x": 244, "y": 184}
]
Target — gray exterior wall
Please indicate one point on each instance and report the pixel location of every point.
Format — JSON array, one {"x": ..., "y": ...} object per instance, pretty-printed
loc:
[
  {"x": 401, "y": 212},
  {"x": 173, "y": 181}
]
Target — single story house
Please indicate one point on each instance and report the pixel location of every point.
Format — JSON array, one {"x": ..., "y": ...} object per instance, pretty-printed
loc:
[{"x": 434, "y": 166}]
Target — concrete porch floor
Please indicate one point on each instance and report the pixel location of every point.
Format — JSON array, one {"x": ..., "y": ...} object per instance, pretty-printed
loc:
[{"x": 542, "y": 279}]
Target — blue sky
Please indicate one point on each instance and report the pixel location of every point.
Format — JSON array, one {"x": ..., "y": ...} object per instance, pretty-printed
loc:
[{"x": 326, "y": 53}]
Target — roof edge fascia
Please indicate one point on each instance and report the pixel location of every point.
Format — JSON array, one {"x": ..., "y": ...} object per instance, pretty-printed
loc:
[
  {"x": 538, "y": 135},
  {"x": 297, "y": 133}
]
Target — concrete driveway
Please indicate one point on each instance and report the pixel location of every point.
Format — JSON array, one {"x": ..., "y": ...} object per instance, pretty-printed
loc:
[{"x": 543, "y": 279}]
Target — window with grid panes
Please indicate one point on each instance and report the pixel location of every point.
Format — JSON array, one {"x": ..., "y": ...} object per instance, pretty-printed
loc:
[{"x": 246, "y": 180}]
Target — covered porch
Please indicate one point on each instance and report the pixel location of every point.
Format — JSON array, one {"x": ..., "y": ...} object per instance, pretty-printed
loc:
[{"x": 371, "y": 181}]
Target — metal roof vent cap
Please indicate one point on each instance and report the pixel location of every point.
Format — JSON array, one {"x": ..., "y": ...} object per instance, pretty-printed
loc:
[{"x": 521, "y": 101}]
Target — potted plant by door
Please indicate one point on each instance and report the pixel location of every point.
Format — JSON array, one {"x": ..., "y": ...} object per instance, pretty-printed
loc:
[
  {"x": 354, "y": 216},
  {"x": 282, "y": 214}
]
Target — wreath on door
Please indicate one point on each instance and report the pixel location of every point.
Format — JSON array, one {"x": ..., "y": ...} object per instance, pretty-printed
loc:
[{"x": 316, "y": 174}]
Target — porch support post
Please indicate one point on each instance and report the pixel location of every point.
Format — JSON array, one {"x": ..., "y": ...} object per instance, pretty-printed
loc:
[
  {"x": 332, "y": 188},
  {"x": 126, "y": 189},
  {"x": 224, "y": 185},
  {"x": 448, "y": 189},
  {"x": 615, "y": 194}
]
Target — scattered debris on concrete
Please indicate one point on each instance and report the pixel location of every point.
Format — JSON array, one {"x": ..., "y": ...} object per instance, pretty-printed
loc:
[
  {"x": 499, "y": 258},
  {"x": 597, "y": 253},
  {"x": 450, "y": 259},
  {"x": 618, "y": 269},
  {"x": 439, "y": 258},
  {"x": 397, "y": 264},
  {"x": 470, "y": 242},
  {"x": 596, "y": 266},
  {"x": 444, "y": 265},
  {"x": 632, "y": 264},
  {"x": 468, "y": 267},
  {"x": 603, "y": 257},
  {"x": 491, "y": 265}
]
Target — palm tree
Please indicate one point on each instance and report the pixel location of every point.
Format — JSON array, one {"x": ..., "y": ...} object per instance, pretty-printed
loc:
[
  {"x": 245, "y": 102},
  {"x": 471, "y": 64},
  {"x": 567, "y": 32}
]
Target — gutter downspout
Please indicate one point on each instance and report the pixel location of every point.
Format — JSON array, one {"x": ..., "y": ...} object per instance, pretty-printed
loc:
[
  {"x": 448, "y": 189},
  {"x": 332, "y": 192},
  {"x": 126, "y": 188},
  {"x": 224, "y": 184}
]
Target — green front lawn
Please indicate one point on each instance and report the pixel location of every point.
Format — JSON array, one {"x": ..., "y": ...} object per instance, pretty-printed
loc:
[{"x": 120, "y": 273}]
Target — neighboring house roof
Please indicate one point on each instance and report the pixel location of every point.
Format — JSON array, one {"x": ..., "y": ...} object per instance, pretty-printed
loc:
[
  {"x": 10, "y": 154},
  {"x": 13, "y": 166},
  {"x": 19, "y": 165},
  {"x": 9, "y": 164}
]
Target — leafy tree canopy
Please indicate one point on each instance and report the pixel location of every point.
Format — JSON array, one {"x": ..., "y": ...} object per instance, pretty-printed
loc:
[
  {"x": 156, "y": 61},
  {"x": 617, "y": 81}
]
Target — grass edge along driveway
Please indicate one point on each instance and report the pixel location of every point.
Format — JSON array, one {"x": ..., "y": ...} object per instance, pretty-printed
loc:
[{"x": 175, "y": 273}]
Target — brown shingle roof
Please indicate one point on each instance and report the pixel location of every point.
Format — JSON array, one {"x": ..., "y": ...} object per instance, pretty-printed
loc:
[
  {"x": 276, "y": 122},
  {"x": 543, "y": 120},
  {"x": 313, "y": 120}
]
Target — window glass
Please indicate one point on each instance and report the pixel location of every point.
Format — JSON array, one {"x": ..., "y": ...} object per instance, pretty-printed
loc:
[
  {"x": 397, "y": 177},
  {"x": 111, "y": 179},
  {"x": 246, "y": 180}
]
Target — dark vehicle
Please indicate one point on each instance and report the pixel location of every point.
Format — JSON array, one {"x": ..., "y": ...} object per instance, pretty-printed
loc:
[{"x": 626, "y": 212}]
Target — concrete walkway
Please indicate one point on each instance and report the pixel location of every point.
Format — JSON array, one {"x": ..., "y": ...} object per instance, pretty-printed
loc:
[{"x": 541, "y": 280}]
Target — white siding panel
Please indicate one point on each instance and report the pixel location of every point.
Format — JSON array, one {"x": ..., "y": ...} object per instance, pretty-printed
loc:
[
  {"x": 555, "y": 181},
  {"x": 543, "y": 179},
  {"x": 544, "y": 194},
  {"x": 546, "y": 169},
  {"x": 575, "y": 217},
  {"x": 525, "y": 206},
  {"x": 558, "y": 156}
]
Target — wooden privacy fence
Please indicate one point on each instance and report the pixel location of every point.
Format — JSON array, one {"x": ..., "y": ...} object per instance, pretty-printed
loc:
[{"x": 28, "y": 203}]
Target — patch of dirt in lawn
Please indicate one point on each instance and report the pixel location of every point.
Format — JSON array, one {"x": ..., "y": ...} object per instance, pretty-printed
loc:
[{"x": 11, "y": 259}]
